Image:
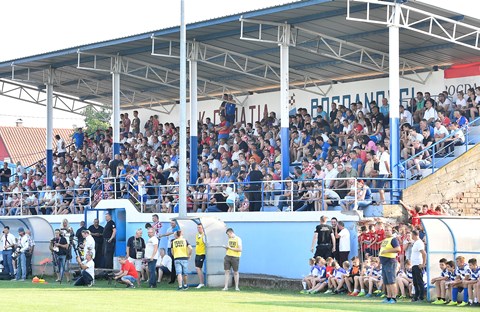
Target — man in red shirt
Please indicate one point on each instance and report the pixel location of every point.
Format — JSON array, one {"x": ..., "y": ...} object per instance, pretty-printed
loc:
[
  {"x": 128, "y": 274},
  {"x": 414, "y": 213},
  {"x": 379, "y": 236},
  {"x": 365, "y": 239}
]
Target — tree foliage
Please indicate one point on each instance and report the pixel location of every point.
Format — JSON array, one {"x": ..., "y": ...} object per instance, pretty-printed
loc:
[{"x": 96, "y": 119}]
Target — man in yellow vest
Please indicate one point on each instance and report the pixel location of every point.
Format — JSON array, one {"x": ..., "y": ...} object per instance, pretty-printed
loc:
[
  {"x": 200, "y": 254},
  {"x": 232, "y": 258},
  {"x": 181, "y": 251},
  {"x": 388, "y": 258}
]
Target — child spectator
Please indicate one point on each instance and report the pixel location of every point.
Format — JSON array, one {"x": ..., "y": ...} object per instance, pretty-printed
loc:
[
  {"x": 457, "y": 285},
  {"x": 339, "y": 275},
  {"x": 404, "y": 280},
  {"x": 350, "y": 277},
  {"x": 362, "y": 279},
  {"x": 469, "y": 283}
]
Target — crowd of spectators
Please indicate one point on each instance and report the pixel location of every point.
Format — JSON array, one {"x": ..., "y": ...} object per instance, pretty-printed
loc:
[{"x": 339, "y": 158}]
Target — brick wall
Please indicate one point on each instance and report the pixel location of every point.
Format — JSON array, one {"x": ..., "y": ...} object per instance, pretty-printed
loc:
[{"x": 456, "y": 186}]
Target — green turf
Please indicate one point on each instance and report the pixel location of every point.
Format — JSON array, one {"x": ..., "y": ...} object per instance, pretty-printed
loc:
[{"x": 25, "y": 296}]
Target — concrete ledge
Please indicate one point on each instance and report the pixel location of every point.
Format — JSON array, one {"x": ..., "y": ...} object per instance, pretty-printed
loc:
[{"x": 270, "y": 282}]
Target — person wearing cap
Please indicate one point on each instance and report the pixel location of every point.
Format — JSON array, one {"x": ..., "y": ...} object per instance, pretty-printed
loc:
[
  {"x": 22, "y": 247},
  {"x": 7, "y": 242},
  {"x": 109, "y": 233},
  {"x": 232, "y": 258}
]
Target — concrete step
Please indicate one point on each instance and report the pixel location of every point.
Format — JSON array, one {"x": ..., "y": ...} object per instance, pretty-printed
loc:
[
  {"x": 475, "y": 130},
  {"x": 459, "y": 150},
  {"x": 270, "y": 282}
]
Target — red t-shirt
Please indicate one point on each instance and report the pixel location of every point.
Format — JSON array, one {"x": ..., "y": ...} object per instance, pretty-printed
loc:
[
  {"x": 365, "y": 239},
  {"x": 380, "y": 236},
  {"x": 130, "y": 268},
  {"x": 329, "y": 270},
  {"x": 415, "y": 217}
]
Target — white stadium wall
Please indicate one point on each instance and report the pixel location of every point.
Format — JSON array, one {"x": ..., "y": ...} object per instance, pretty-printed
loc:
[{"x": 253, "y": 106}]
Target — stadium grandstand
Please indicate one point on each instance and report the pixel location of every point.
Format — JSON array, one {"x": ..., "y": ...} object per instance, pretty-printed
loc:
[{"x": 324, "y": 148}]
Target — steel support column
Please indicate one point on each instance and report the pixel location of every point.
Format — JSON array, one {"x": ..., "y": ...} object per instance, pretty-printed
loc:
[
  {"x": 116, "y": 107},
  {"x": 182, "y": 212},
  {"x": 193, "y": 118},
  {"x": 394, "y": 86},
  {"x": 284, "y": 105},
  {"x": 49, "y": 155}
]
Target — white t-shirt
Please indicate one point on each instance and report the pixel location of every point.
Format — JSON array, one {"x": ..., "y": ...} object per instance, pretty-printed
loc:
[
  {"x": 407, "y": 116},
  {"x": 442, "y": 130},
  {"x": 166, "y": 261},
  {"x": 416, "y": 257},
  {"x": 344, "y": 243},
  {"x": 89, "y": 245},
  {"x": 90, "y": 267},
  {"x": 61, "y": 146},
  {"x": 385, "y": 157},
  {"x": 150, "y": 248}
]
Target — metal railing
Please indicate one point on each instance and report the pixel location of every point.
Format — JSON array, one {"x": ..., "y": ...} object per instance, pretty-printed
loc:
[
  {"x": 437, "y": 152},
  {"x": 69, "y": 201}
]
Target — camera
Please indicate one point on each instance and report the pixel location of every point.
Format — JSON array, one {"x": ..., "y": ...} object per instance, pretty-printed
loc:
[{"x": 16, "y": 253}]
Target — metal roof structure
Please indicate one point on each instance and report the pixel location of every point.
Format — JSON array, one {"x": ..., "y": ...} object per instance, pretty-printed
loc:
[{"x": 325, "y": 48}]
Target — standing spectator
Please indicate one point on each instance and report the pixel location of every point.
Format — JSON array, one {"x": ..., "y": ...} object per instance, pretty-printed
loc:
[
  {"x": 388, "y": 254},
  {"x": 59, "y": 246},
  {"x": 22, "y": 247},
  {"x": 88, "y": 243},
  {"x": 182, "y": 251},
  {"x": 7, "y": 242},
  {"x": 324, "y": 238},
  {"x": 88, "y": 270},
  {"x": 344, "y": 243},
  {"x": 109, "y": 233},
  {"x": 384, "y": 171},
  {"x": 419, "y": 259},
  {"x": 96, "y": 230},
  {"x": 61, "y": 148},
  {"x": 135, "y": 250},
  {"x": 151, "y": 255},
  {"x": 200, "y": 250},
  {"x": 5, "y": 174},
  {"x": 255, "y": 194},
  {"x": 78, "y": 138},
  {"x": 157, "y": 225},
  {"x": 135, "y": 123},
  {"x": 29, "y": 252},
  {"x": 126, "y": 123},
  {"x": 232, "y": 258},
  {"x": 230, "y": 109},
  {"x": 79, "y": 232}
]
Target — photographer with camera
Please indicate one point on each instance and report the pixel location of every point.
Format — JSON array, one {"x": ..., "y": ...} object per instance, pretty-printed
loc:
[
  {"x": 128, "y": 274},
  {"x": 21, "y": 248},
  {"x": 59, "y": 247},
  {"x": 135, "y": 250},
  {"x": 88, "y": 270},
  {"x": 7, "y": 243}
]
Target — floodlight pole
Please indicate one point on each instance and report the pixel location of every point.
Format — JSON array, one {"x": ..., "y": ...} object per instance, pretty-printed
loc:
[
  {"x": 182, "y": 200},
  {"x": 49, "y": 162},
  {"x": 116, "y": 106},
  {"x": 394, "y": 86},
  {"x": 193, "y": 115}
]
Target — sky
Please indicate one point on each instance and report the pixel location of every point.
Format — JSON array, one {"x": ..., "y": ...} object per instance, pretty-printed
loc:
[{"x": 49, "y": 25}]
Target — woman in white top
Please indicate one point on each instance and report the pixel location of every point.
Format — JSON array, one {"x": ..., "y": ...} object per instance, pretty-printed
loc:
[{"x": 461, "y": 102}]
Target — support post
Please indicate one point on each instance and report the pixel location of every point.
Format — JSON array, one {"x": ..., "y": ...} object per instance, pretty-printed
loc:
[
  {"x": 182, "y": 212},
  {"x": 284, "y": 103},
  {"x": 193, "y": 117},
  {"x": 394, "y": 86},
  {"x": 116, "y": 107},
  {"x": 49, "y": 163}
]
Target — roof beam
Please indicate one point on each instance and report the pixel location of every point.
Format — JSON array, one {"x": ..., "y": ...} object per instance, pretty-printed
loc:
[
  {"x": 33, "y": 95},
  {"x": 420, "y": 21},
  {"x": 331, "y": 47}
]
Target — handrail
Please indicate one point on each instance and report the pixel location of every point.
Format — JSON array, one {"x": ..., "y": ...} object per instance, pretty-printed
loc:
[{"x": 465, "y": 127}]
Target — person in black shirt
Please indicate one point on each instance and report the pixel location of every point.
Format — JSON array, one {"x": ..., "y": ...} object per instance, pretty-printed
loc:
[
  {"x": 78, "y": 233},
  {"x": 324, "y": 238},
  {"x": 97, "y": 233},
  {"x": 5, "y": 174},
  {"x": 59, "y": 247},
  {"x": 255, "y": 194},
  {"x": 218, "y": 202},
  {"x": 136, "y": 251},
  {"x": 109, "y": 233}
]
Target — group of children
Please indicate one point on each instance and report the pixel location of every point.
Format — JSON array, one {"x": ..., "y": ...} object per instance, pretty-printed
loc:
[
  {"x": 355, "y": 279},
  {"x": 455, "y": 278}
]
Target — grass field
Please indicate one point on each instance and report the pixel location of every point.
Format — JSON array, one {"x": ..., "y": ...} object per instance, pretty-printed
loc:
[{"x": 25, "y": 296}]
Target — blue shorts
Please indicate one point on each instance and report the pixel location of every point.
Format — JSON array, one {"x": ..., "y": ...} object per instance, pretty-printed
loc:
[
  {"x": 181, "y": 266},
  {"x": 388, "y": 271},
  {"x": 129, "y": 278},
  {"x": 381, "y": 183}
]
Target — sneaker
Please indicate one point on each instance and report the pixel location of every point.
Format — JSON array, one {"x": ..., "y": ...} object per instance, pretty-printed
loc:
[
  {"x": 237, "y": 289},
  {"x": 200, "y": 286},
  {"x": 392, "y": 301},
  {"x": 131, "y": 286},
  {"x": 328, "y": 291},
  {"x": 377, "y": 291},
  {"x": 383, "y": 296},
  {"x": 179, "y": 288},
  {"x": 22, "y": 280},
  {"x": 402, "y": 297},
  {"x": 368, "y": 295},
  {"x": 361, "y": 294},
  {"x": 225, "y": 289},
  {"x": 452, "y": 303},
  {"x": 90, "y": 284},
  {"x": 304, "y": 291},
  {"x": 463, "y": 304},
  {"x": 355, "y": 294},
  {"x": 439, "y": 301},
  {"x": 386, "y": 300}
]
